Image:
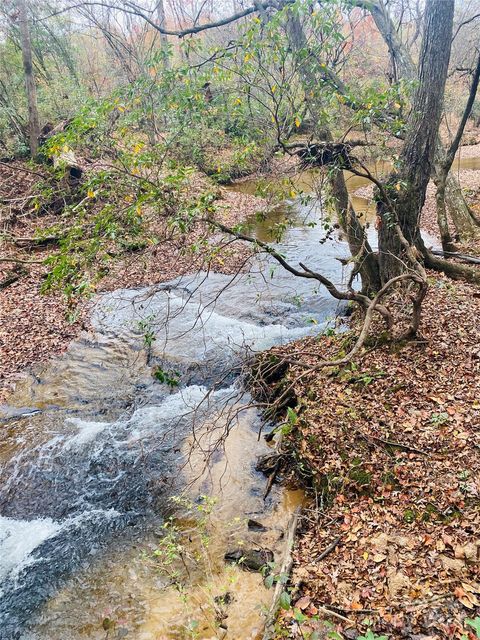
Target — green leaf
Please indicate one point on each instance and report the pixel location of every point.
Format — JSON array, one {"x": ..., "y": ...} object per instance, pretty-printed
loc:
[
  {"x": 285, "y": 600},
  {"x": 475, "y": 624},
  {"x": 269, "y": 581},
  {"x": 299, "y": 616},
  {"x": 371, "y": 636}
]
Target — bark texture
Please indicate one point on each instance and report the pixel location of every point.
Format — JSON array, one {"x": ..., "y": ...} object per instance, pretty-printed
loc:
[
  {"x": 462, "y": 217},
  {"x": 404, "y": 196},
  {"x": 366, "y": 262},
  {"x": 162, "y": 23}
]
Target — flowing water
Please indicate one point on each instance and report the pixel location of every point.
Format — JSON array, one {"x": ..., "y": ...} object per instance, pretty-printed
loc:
[{"x": 93, "y": 447}]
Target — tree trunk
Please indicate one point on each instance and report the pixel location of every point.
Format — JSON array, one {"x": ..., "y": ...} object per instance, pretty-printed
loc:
[
  {"x": 442, "y": 171},
  {"x": 404, "y": 195},
  {"x": 33, "y": 121},
  {"x": 462, "y": 217},
  {"x": 442, "y": 219},
  {"x": 162, "y": 23},
  {"x": 366, "y": 259}
]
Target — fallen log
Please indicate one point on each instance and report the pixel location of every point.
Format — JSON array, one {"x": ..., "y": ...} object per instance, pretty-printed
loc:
[{"x": 458, "y": 256}]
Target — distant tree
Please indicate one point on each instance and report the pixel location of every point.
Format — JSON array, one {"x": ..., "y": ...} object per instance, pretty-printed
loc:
[{"x": 30, "y": 86}]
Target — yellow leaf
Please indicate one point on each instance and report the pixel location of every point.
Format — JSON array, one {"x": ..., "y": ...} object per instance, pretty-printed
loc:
[
  {"x": 238, "y": 101},
  {"x": 398, "y": 186},
  {"x": 274, "y": 88},
  {"x": 397, "y": 105},
  {"x": 298, "y": 122},
  {"x": 365, "y": 555}
]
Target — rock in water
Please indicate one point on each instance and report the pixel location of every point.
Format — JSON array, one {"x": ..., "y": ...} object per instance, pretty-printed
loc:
[{"x": 250, "y": 559}]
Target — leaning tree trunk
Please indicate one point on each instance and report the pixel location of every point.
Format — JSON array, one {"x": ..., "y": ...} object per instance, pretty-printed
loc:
[
  {"x": 33, "y": 121},
  {"x": 465, "y": 223},
  {"x": 365, "y": 259},
  {"x": 403, "y": 197},
  {"x": 442, "y": 217},
  {"x": 442, "y": 169},
  {"x": 461, "y": 214}
]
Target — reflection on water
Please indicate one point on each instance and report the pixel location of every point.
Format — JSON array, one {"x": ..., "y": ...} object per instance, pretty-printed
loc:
[{"x": 308, "y": 182}]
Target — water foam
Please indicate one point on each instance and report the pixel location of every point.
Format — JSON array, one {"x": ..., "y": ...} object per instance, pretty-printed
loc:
[
  {"x": 87, "y": 432},
  {"x": 18, "y": 538}
]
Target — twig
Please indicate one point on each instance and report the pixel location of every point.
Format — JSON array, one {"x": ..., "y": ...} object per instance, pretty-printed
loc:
[
  {"x": 271, "y": 478},
  {"x": 427, "y": 603},
  {"x": 334, "y": 614},
  {"x": 24, "y": 169},
  {"x": 329, "y": 549},
  {"x": 6, "y": 282},
  {"x": 399, "y": 445},
  {"x": 21, "y": 261},
  {"x": 458, "y": 256}
]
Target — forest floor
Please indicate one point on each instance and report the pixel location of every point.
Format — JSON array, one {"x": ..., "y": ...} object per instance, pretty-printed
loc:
[
  {"x": 34, "y": 325},
  {"x": 389, "y": 450}
]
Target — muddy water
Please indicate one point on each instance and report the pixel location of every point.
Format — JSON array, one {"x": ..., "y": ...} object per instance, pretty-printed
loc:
[
  {"x": 307, "y": 181},
  {"x": 93, "y": 447}
]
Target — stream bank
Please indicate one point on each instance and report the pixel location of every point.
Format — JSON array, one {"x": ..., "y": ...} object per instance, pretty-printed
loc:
[
  {"x": 387, "y": 448},
  {"x": 100, "y": 438}
]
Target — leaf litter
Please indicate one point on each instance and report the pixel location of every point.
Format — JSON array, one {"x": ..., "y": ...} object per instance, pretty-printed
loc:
[{"x": 389, "y": 449}]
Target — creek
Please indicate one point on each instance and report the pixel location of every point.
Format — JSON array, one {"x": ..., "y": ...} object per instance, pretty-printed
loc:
[{"x": 94, "y": 447}]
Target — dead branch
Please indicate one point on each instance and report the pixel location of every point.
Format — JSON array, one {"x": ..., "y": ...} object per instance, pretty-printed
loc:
[
  {"x": 17, "y": 260},
  {"x": 285, "y": 569}
]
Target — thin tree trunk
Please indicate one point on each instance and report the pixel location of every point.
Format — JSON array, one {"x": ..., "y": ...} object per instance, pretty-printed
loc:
[
  {"x": 33, "y": 120},
  {"x": 462, "y": 217},
  {"x": 442, "y": 170},
  {"x": 442, "y": 219},
  {"x": 365, "y": 258},
  {"x": 162, "y": 23}
]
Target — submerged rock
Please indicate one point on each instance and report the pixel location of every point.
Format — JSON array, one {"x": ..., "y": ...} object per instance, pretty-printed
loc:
[{"x": 250, "y": 559}]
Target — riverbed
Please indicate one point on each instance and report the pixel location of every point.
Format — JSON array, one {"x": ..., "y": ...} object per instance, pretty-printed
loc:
[{"x": 95, "y": 446}]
